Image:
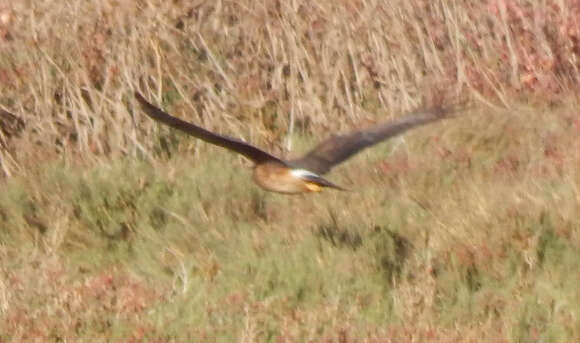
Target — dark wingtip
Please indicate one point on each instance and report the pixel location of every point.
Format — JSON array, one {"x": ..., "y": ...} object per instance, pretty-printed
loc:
[
  {"x": 146, "y": 106},
  {"x": 139, "y": 97},
  {"x": 451, "y": 110}
]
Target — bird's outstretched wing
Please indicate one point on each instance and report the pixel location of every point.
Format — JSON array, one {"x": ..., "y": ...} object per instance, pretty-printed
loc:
[
  {"x": 233, "y": 144},
  {"x": 337, "y": 149}
]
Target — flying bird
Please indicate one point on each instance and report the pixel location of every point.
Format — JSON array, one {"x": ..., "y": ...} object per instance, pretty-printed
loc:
[{"x": 304, "y": 174}]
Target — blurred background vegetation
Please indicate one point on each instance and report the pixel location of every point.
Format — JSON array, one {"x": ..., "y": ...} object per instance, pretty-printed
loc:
[{"x": 113, "y": 228}]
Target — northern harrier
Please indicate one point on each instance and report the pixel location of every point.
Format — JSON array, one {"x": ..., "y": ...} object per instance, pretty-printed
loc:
[{"x": 303, "y": 174}]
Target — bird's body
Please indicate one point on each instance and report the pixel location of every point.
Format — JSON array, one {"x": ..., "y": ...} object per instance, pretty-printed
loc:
[
  {"x": 277, "y": 177},
  {"x": 281, "y": 178},
  {"x": 301, "y": 175}
]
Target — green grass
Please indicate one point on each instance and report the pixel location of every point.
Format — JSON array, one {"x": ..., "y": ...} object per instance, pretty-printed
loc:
[{"x": 183, "y": 249}]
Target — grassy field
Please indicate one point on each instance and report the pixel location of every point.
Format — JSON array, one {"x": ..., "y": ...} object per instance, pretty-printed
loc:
[{"x": 115, "y": 229}]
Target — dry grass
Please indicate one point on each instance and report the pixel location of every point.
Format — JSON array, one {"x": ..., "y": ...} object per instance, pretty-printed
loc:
[{"x": 111, "y": 230}]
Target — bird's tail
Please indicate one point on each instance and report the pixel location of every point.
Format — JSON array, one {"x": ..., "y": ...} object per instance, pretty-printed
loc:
[{"x": 322, "y": 182}]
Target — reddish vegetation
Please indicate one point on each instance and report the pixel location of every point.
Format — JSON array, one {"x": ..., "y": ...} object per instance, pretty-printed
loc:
[
  {"x": 45, "y": 304},
  {"x": 262, "y": 62},
  {"x": 493, "y": 194}
]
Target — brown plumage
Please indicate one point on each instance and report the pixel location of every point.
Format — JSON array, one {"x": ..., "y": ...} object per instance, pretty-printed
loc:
[{"x": 303, "y": 174}]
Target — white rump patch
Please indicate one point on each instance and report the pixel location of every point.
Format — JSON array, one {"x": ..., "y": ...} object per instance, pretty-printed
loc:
[{"x": 303, "y": 172}]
